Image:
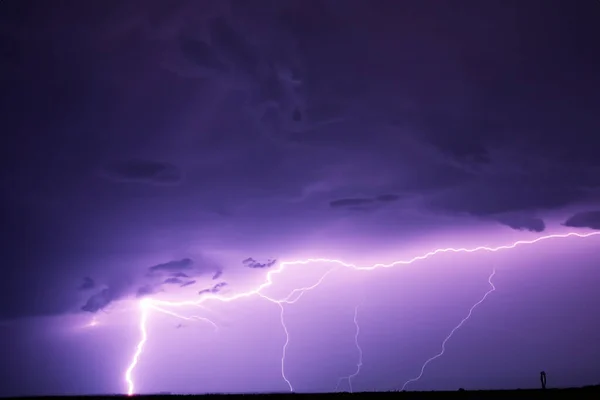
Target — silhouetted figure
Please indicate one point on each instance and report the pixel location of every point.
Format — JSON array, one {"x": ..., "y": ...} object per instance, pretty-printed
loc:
[{"x": 543, "y": 379}]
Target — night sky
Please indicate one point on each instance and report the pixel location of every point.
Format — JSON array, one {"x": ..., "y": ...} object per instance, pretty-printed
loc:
[{"x": 167, "y": 151}]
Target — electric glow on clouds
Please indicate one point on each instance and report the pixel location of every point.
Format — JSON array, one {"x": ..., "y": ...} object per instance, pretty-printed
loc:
[{"x": 148, "y": 305}]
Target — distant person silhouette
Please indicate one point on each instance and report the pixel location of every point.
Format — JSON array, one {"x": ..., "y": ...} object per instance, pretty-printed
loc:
[{"x": 543, "y": 379}]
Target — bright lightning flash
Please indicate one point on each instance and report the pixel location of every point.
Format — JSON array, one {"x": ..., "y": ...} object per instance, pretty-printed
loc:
[
  {"x": 457, "y": 327},
  {"x": 93, "y": 322},
  {"x": 147, "y": 305}
]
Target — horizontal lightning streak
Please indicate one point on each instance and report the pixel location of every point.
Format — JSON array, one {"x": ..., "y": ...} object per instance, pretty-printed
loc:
[
  {"x": 147, "y": 304},
  {"x": 457, "y": 327}
]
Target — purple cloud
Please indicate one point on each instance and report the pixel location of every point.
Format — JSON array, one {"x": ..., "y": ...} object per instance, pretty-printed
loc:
[
  {"x": 586, "y": 219},
  {"x": 252, "y": 263}
]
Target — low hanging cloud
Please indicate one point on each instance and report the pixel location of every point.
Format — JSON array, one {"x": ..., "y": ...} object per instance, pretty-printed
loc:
[
  {"x": 143, "y": 171},
  {"x": 173, "y": 281},
  {"x": 360, "y": 203},
  {"x": 176, "y": 265},
  {"x": 460, "y": 128},
  {"x": 343, "y": 203},
  {"x": 387, "y": 198},
  {"x": 507, "y": 198},
  {"x": 252, "y": 263},
  {"x": 158, "y": 277},
  {"x": 215, "y": 289},
  {"x": 147, "y": 290},
  {"x": 201, "y": 54},
  {"x": 88, "y": 283},
  {"x": 586, "y": 219},
  {"x": 522, "y": 223},
  {"x": 186, "y": 268},
  {"x": 98, "y": 301}
]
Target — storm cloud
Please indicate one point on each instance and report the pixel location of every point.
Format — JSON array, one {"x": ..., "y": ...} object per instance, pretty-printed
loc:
[
  {"x": 99, "y": 301},
  {"x": 143, "y": 171},
  {"x": 585, "y": 219},
  {"x": 201, "y": 54},
  {"x": 165, "y": 276},
  {"x": 88, "y": 283},
  {"x": 217, "y": 274},
  {"x": 173, "y": 280},
  {"x": 176, "y": 265},
  {"x": 522, "y": 223},
  {"x": 252, "y": 263},
  {"x": 215, "y": 289},
  {"x": 153, "y": 148},
  {"x": 363, "y": 203},
  {"x": 226, "y": 107},
  {"x": 350, "y": 202}
]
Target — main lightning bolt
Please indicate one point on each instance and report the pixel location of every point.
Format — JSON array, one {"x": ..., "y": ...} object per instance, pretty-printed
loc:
[
  {"x": 457, "y": 327},
  {"x": 158, "y": 305},
  {"x": 360, "y": 355}
]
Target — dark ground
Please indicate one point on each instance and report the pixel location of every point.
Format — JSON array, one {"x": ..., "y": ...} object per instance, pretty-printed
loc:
[{"x": 587, "y": 392}]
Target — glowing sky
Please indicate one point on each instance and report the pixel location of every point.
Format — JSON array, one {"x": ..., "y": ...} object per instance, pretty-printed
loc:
[{"x": 158, "y": 150}]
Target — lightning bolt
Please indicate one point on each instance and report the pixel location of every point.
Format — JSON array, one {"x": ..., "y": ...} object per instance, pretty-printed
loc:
[
  {"x": 360, "y": 355},
  {"x": 457, "y": 327},
  {"x": 176, "y": 315},
  {"x": 140, "y": 346},
  {"x": 158, "y": 305}
]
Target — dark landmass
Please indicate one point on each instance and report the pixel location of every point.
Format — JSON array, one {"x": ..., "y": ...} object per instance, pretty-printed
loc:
[{"x": 587, "y": 392}]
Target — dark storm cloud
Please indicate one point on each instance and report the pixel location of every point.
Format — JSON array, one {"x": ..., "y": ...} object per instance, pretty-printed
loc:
[
  {"x": 88, "y": 283},
  {"x": 491, "y": 197},
  {"x": 143, "y": 171},
  {"x": 491, "y": 156},
  {"x": 360, "y": 204},
  {"x": 586, "y": 219},
  {"x": 490, "y": 119},
  {"x": 185, "y": 268},
  {"x": 350, "y": 202},
  {"x": 98, "y": 301},
  {"x": 215, "y": 289},
  {"x": 155, "y": 281},
  {"x": 201, "y": 54},
  {"x": 147, "y": 290},
  {"x": 173, "y": 280},
  {"x": 522, "y": 223},
  {"x": 232, "y": 45},
  {"x": 117, "y": 288},
  {"x": 387, "y": 198},
  {"x": 252, "y": 263},
  {"x": 176, "y": 265}
]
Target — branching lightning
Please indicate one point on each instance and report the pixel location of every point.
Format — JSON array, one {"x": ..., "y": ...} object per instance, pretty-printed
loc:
[
  {"x": 176, "y": 315},
  {"x": 146, "y": 305},
  {"x": 360, "y": 355},
  {"x": 457, "y": 327}
]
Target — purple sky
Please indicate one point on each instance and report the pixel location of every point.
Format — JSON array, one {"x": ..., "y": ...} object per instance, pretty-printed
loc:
[{"x": 153, "y": 150}]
